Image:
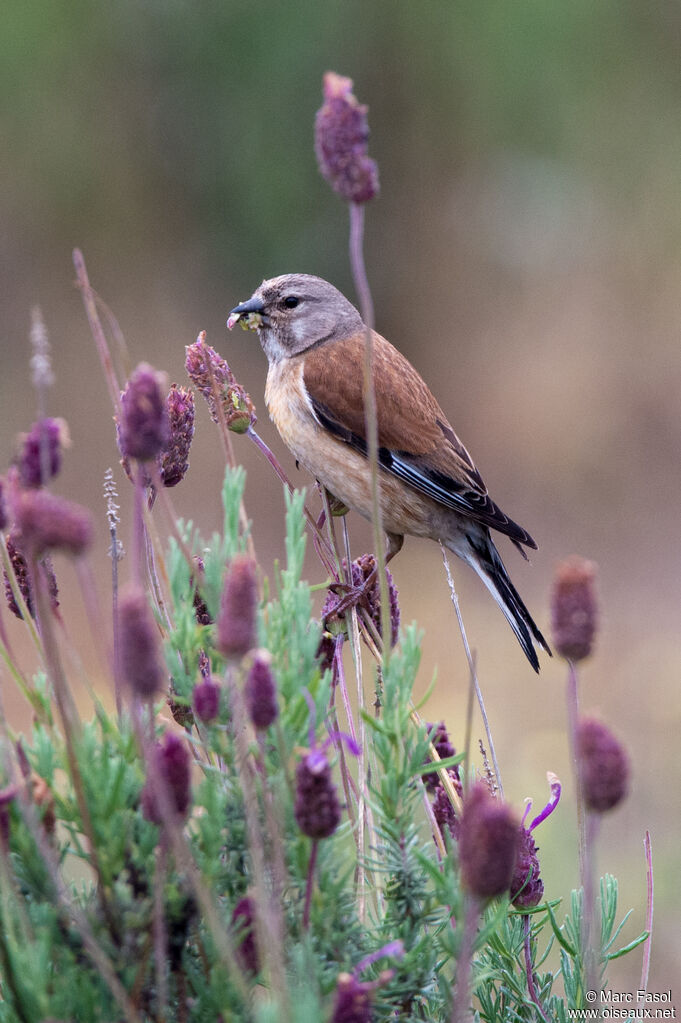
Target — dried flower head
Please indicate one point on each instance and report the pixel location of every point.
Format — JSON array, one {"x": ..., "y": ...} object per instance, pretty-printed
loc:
[
  {"x": 206, "y": 700},
  {"x": 574, "y": 608},
  {"x": 21, "y": 579},
  {"x": 361, "y": 570},
  {"x": 39, "y": 457},
  {"x": 243, "y": 923},
  {"x": 47, "y": 522},
  {"x": 488, "y": 843},
  {"x": 218, "y": 385},
  {"x": 174, "y": 459},
  {"x": 138, "y": 644},
  {"x": 261, "y": 692},
  {"x": 603, "y": 766},
  {"x": 236, "y": 626},
  {"x": 143, "y": 430},
  {"x": 317, "y": 810},
  {"x": 171, "y": 769},
  {"x": 527, "y": 887},
  {"x": 341, "y": 142}
]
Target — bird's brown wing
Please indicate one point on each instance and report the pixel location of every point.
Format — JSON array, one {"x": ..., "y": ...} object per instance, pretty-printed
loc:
[{"x": 416, "y": 442}]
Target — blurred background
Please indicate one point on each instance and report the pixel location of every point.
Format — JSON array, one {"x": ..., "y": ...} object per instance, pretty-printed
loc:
[{"x": 524, "y": 253}]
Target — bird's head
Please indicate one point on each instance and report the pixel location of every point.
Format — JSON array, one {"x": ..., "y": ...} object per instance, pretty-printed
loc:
[{"x": 295, "y": 312}]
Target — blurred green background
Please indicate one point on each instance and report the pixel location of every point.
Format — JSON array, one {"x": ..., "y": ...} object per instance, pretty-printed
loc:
[{"x": 525, "y": 253}]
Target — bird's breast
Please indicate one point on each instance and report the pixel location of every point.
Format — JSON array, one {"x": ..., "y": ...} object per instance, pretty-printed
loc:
[{"x": 341, "y": 469}]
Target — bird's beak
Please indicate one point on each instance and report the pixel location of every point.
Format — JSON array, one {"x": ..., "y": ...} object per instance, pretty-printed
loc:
[{"x": 250, "y": 314}]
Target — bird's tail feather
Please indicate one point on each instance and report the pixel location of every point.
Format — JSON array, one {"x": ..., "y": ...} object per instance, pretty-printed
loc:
[{"x": 485, "y": 559}]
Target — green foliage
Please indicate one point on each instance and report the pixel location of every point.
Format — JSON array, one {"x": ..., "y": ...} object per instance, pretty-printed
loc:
[{"x": 86, "y": 879}]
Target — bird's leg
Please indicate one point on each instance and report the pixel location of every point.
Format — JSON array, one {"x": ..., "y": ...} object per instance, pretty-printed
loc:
[{"x": 354, "y": 595}]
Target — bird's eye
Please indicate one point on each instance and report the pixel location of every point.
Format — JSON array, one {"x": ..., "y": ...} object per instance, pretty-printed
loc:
[{"x": 291, "y": 301}]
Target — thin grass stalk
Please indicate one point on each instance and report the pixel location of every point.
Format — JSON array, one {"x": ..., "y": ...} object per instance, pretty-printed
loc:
[{"x": 471, "y": 665}]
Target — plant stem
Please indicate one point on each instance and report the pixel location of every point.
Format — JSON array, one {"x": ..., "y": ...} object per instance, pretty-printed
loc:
[
  {"x": 529, "y": 970},
  {"x": 310, "y": 883},
  {"x": 370, "y": 413}
]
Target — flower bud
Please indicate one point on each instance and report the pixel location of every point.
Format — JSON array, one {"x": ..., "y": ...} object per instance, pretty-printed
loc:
[
  {"x": 174, "y": 459},
  {"x": 206, "y": 700},
  {"x": 138, "y": 642},
  {"x": 236, "y": 626},
  {"x": 243, "y": 922},
  {"x": 488, "y": 843},
  {"x": 142, "y": 426},
  {"x": 171, "y": 768},
  {"x": 261, "y": 692},
  {"x": 41, "y": 449},
  {"x": 603, "y": 766},
  {"x": 574, "y": 609},
  {"x": 317, "y": 810}
]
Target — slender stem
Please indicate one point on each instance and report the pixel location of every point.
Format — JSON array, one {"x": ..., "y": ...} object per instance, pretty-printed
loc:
[
  {"x": 471, "y": 666},
  {"x": 310, "y": 883},
  {"x": 90, "y": 303},
  {"x": 272, "y": 459},
  {"x": 573, "y": 722},
  {"x": 645, "y": 968},
  {"x": 529, "y": 970},
  {"x": 461, "y": 1007},
  {"x": 370, "y": 411},
  {"x": 159, "y": 928}
]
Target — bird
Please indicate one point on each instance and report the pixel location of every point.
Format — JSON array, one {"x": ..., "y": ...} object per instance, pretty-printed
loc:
[{"x": 314, "y": 340}]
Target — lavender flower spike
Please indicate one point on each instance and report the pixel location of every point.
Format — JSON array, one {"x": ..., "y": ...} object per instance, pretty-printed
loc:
[
  {"x": 574, "y": 609},
  {"x": 236, "y": 626},
  {"x": 488, "y": 843},
  {"x": 142, "y": 426},
  {"x": 47, "y": 522},
  {"x": 140, "y": 665},
  {"x": 41, "y": 449},
  {"x": 341, "y": 137}
]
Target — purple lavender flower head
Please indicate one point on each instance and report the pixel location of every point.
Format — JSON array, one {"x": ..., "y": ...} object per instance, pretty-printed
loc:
[
  {"x": 243, "y": 922},
  {"x": 574, "y": 608},
  {"x": 261, "y": 692},
  {"x": 48, "y": 522},
  {"x": 39, "y": 459},
  {"x": 488, "y": 843},
  {"x": 341, "y": 142},
  {"x": 603, "y": 766},
  {"x": 317, "y": 810},
  {"x": 174, "y": 459},
  {"x": 172, "y": 769},
  {"x": 142, "y": 425},
  {"x": 236, "y": 625},
  {"x": 353, "y": 1002},
  {"x": 206, "y": 700},
  {"x": 138, "y": 640}
]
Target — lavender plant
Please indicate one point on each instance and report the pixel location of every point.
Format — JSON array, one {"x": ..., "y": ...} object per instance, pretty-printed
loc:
[{"x": 236, "y": 840}]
